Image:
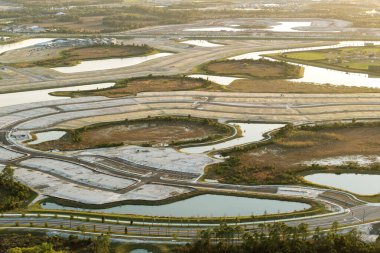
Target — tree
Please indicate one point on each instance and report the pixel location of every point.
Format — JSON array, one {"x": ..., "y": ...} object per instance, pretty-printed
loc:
[
  {"x": 6, "y": 176},
  {"x": 102, "y": 244},
  {"x": 13, "y": 194},
  {"x": 280, "y": 238}
]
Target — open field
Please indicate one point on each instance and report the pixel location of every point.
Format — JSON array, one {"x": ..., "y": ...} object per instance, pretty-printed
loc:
[
  {"x": 262, "y": 69},
  {"x": 354, "y": 59},
  {"x": 284, "y": 86},
  {"x": 144, "y": 84},
  {"x": 280, "y": 159},
  {"x": 146, "y": 132},
  {"x": 73, "y": 56}
]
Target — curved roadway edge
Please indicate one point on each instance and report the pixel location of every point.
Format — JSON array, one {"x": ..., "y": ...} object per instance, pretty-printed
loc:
[
  {"x": 350, "y": 211},
  {"x": 163, "y": 231}
]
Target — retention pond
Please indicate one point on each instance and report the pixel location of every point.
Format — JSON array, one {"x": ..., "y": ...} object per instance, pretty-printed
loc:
[{"x": 207, "y": 205}]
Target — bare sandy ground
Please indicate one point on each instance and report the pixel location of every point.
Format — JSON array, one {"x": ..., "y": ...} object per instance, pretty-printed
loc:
[
  {"x": 49, "y": 185},
  {"x": 78, "y": 173},
  {"x": 158, "y": 158}
]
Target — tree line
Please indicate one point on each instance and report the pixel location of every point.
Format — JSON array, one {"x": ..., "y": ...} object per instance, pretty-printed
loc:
[{"x": 279, "y": 238}]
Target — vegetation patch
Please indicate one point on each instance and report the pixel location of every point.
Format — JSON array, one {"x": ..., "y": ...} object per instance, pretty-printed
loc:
[
  {"x": 261, "y": 69},
  {"x": 354, "y": 59},
  {"x": 39, "y": 242},
  {"x": 281, "y": 159},
  {"x": 278, "y": 237},
  {"x": 145, "y": 132},
  {"x": 13, "y": 195},
  {"x": 133, "y": 86},
  {"x": 74, "y": 56},
  {"x": 284, "y": 86}
]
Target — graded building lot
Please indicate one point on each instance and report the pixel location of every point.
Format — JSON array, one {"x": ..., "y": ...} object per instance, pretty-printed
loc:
[
  {"x": 77, "y": 173},
  {"x": 167, "y": 159},
  {"x": 8, "y": 118},
  {"x": 229, "y": 106},
  {"x": 82, "y": 185},
  {"x": 144, "y": 132},
  {"x": 282, "y": 158},
  {"x": 7, "y": 155},
  {"x": 49, "y": 185},
  {"x": 271, "y": 107},
  {"x": 242, "y": 106}
]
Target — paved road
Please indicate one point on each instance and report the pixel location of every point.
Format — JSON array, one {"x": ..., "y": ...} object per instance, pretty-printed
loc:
[
  {"x": 356, "y": 210},
  {"x": 183, "y": 61},
  {"x": 349, "y": 219}
]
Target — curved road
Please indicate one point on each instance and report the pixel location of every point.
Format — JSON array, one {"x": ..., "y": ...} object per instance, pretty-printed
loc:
[{"x": 354, "y": 213}]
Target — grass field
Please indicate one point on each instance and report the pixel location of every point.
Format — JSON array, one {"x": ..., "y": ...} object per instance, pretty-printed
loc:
[
  {"x": 280, "y": 160},
  {"x": 73, "y": 56},
  {"x": 353, "y": 59},
  {"x": 284, "y": 86},
  {"x": 145, "y": 84},
  {"x": 260, "y": 69},
  {"x": 146, "y": 132}
]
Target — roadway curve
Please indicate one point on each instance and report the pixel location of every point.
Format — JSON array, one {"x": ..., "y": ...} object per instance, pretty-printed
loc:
[
  {"x": 184, "y": 60},
  {"x": 352, "y": 212}
]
